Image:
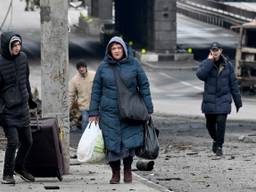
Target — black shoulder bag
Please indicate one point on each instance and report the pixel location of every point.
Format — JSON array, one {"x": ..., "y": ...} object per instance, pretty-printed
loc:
[
  {"x": 150, "y": 147},
  {"x": 131, "y": 105}
]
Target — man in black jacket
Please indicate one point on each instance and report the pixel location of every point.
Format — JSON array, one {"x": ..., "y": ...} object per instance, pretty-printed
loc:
[
  {"x": 220, "y": 86},
  {"x": 15, "y": 100}
]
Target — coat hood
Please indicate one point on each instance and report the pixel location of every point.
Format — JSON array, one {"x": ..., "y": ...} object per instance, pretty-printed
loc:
[
  {"x": 226, "y": 60},
  {"x": 121, "y": 42},
  {"x": 6, "y": 39}
]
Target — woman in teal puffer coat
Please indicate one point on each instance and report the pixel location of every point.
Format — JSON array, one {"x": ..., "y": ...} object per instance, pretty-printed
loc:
[{"x": 120, "y": 138}]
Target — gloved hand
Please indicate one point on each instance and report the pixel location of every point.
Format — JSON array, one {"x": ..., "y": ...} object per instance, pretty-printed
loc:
[{"x": 32, "y": 104}]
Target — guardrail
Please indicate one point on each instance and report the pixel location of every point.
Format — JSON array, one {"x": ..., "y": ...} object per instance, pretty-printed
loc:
[{"x": 215, "y": 12}]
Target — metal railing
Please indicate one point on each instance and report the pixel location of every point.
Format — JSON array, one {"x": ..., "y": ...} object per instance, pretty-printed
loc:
[{"x": 215, "y": 12}]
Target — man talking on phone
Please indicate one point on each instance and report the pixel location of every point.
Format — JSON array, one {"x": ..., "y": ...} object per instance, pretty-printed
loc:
[{"x": 220, "y": 86}]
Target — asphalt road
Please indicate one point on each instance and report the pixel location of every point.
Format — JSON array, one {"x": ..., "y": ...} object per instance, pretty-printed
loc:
[{"x": 173, "y": 91}]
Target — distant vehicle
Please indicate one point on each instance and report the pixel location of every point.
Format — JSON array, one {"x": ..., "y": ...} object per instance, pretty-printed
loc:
[{"x": 245, "y": 65}]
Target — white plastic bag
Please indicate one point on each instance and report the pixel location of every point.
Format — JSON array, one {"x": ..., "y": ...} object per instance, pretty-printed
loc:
[
  {"x": 98, "y": 154},
  {"x": 88, "y": 141}
]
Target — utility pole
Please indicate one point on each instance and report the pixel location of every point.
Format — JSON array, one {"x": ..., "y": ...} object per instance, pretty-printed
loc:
[{"x": 54, "y": 67}]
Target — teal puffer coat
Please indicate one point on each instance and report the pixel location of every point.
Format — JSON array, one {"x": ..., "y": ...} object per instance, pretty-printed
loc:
[{"x": 118, "y": 134}]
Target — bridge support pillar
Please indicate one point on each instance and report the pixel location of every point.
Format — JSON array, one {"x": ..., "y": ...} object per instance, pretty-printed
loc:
[
  {"x": 101, "y": 9},
  {"x": 150, "y": 24},
  {"x": 164, "y": 26}
]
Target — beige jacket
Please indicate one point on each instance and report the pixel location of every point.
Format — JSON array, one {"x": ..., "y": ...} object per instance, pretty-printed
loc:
[{"x": 80, "y": 89}]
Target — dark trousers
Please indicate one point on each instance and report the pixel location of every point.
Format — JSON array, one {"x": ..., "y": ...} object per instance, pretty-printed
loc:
[
  {"x": 20, "y": 138},
  {"x": 216, "y": 124}
]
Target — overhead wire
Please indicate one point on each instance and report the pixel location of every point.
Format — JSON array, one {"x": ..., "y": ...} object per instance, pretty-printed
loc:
[
  {"x": 6, "y": 15},
  {"x": 11, "y": 18}
]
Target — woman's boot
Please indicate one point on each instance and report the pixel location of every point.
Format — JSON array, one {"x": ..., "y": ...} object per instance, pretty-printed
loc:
[
  {"x": 128, "y": 169},
  {"x": 115, "y": 167}
]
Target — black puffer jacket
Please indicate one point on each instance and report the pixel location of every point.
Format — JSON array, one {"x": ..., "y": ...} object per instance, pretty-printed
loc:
[
  {"x": 220, "y": 85},
  {"x": 15, "y": 88}
]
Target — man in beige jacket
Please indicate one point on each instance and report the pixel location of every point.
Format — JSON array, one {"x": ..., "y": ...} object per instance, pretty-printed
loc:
[{"x": 80, "y": 88}]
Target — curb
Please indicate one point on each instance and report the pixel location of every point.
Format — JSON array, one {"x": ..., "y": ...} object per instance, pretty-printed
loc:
[
  {"x": 198, "y": 117},
  {"x": 150, "y": 183},
  {"x": 163, "y": 67}
]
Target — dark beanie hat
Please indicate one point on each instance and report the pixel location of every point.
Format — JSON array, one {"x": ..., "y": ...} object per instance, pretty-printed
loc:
[{"x": 80, "y": 64}]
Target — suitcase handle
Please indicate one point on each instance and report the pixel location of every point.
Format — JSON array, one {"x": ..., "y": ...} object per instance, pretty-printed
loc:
[{"x": 37, "y": 121}]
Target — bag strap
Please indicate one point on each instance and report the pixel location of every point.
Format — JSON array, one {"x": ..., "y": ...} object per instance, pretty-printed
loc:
[
  {"x": 119, "y": 84},
  {"x": 118, "y": 77}
]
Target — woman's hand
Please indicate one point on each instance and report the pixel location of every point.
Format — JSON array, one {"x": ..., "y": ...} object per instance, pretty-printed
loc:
[
  {"x": 94, "y": 118},
  {"x": 149, "y": 115}
]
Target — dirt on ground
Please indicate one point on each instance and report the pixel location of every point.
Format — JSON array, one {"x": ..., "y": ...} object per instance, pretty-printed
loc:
[{"x": 186, "y": 162}]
